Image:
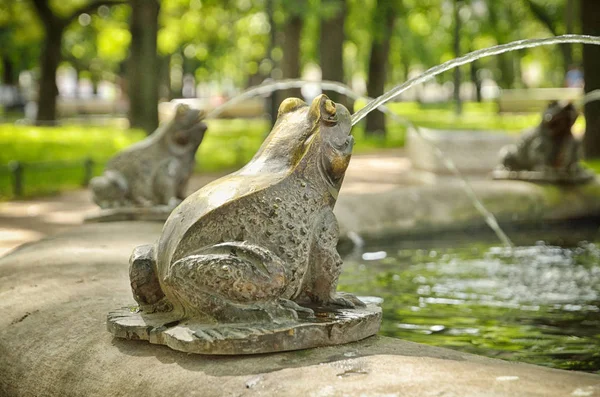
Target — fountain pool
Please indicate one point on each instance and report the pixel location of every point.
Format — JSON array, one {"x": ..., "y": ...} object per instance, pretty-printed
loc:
[{"x": 539, "y": 303}]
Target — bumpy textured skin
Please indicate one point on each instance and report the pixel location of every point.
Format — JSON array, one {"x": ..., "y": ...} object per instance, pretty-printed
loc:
[
  {"x": 549, "y": 147},
  {"x": 258, "y": 244},
  {"x": 156, "y": 170}
]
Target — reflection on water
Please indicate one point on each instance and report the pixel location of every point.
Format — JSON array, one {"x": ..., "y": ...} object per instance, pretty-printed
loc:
[{"x": 537, "y": 304}]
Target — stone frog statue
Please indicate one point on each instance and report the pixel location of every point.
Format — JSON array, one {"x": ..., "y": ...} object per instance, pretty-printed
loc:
[
  {"x": 260, "y": 243},
  {"x": 155, "y": 171},
  {"x": 549, "y": 146}
]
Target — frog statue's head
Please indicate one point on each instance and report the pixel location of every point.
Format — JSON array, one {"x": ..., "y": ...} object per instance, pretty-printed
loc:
[
  {"x": 558, "y": 119},
  {"x": 330, "y": 142},
  {"x": 184, "y": 133},
  {"x": 316, "y": 137}
]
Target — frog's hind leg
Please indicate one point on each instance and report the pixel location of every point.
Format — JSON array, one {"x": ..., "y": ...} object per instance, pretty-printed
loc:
[
  {"x": 144, "y": 282},
  {"x": 231, "y": 282}
]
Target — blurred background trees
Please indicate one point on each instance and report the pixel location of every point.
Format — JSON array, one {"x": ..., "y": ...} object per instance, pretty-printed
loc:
[{"x": 145, "y": 51}]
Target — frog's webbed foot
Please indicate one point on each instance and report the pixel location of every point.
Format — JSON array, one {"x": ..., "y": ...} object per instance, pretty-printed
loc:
[
  {"x": 288, "y": 304},
  {"x": 345, "y": 300}
]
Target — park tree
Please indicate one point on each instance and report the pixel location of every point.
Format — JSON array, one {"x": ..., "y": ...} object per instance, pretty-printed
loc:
[
  {"x": 551, "y": 14},
  {"x": 331, "y": 43},
  {"x": 143, "y": 65},
  {"x": 55, "y": 19},
  {"x": 19, "y": 35},
  {"x": 288, "y": 41},
  {"x": 500, "y": 17},
  {"x": 97, "y": 45},
  {"x": 382, "y": 27},
  {"x": 456, "y": 34},
  {"x": 590, "y": 24}
]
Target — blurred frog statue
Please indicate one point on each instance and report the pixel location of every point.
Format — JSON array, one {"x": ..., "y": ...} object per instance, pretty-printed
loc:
[
  {"x": 154, "y": 172},
  {"x": 548, "y": 152}
]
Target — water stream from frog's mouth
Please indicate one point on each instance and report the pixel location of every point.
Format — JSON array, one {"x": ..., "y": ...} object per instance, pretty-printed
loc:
[
  {"x": 379, "y": 102},
  {"x": 468, "y": 58}
]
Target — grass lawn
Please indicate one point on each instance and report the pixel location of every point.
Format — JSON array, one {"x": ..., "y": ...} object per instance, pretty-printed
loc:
[
  {"x": 594, "y": 165},
  {"x": 54, "y": 156}
]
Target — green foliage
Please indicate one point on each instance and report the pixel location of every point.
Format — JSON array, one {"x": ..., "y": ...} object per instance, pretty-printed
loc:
[
  {"x": 56, "y": 154},
  {"x": 214, "y": 41},
  {"x": 68, "y": 145},
  {"x": 228, "y": 144},
  {"x": 594, "y": 165},
  {"x": 38, "y": 144},
  {"x": 20, "y": 33}
]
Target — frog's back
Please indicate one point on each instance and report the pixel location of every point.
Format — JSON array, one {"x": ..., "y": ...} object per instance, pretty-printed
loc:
[
  {"x": 273, "y": 163},
  {"x": 233, "y": 189}
]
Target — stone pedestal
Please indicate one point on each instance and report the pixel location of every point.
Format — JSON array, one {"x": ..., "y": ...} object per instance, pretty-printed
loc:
[
  {"x": 558, "y": 177},
  {"x": 473, "y": 152},
  {"x": 152, "y": 214},
  {"x": 326, "y": 328}
]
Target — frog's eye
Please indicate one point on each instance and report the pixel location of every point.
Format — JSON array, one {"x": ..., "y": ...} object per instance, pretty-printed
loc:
[
  {"x": 289, "y": 105},
  {"x": 329, "y": 111},
  {"x": 181, "y": 111},
  {"x": 323, "y": 108}
]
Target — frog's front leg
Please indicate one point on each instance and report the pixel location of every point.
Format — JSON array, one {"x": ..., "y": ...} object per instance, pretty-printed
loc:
[
  {"x": 320, "y": 284},
  {"x": 109, "y": 190},
  {"x": 231, "y": 282},
  {"x": 166, "y": 184}
]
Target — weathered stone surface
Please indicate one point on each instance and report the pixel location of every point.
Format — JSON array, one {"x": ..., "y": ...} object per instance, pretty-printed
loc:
[
  {"x": 473, "y": 152},
  {"x": 158, "y": 213},
  {"x": 548, "y": 176},
  {"x": 54, "y": 296},
  {"x": 424, "y": 210},
  {"x": 326, "y": 327}
]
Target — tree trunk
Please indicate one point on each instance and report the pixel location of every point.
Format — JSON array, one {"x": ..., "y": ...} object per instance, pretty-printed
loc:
[
  {"x": 476, "y": 80},
  {"x": 457, "y": 77},
  {"x": 165, "y": 78},
  {"x": 49, "y": 61},
  {"x": 290, "y": 63},
  {"x": 590, "y": 24},
  {"x": 272, "y": 101},
  {"x": 9, "y": 77},
  {"x": 143, "y": 68},
  {"x": 331, "y": 47},
  {"x": 570, "y": 18},
  {"x": 385, "y": 16}
]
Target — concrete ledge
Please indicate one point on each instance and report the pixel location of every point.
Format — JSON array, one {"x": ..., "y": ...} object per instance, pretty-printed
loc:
[
  {"x": 413, "y": 210},
  {"x": 471, "y": 151},
  {"x": 55, "y": 294}
]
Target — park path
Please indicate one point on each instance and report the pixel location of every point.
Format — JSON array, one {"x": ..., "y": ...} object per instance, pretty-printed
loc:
[{"x": 29, "y": 220}]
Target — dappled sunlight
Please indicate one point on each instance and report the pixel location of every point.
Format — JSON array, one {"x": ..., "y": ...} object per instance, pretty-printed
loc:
[{"x": 12, "y": 238}]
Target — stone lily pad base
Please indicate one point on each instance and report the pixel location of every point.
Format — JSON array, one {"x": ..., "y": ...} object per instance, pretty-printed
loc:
[
  {"x": 581, "y": 176},
  {"x": 152, "y": 214},
  {"x": 326, "y": 328}
]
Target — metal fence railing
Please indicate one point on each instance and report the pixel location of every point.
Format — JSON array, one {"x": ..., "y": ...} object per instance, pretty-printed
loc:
[{"x": 19, "y": 179}]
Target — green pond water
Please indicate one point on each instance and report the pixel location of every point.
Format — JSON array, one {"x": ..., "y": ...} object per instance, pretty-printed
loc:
[{"x": 538, "y": 304}]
